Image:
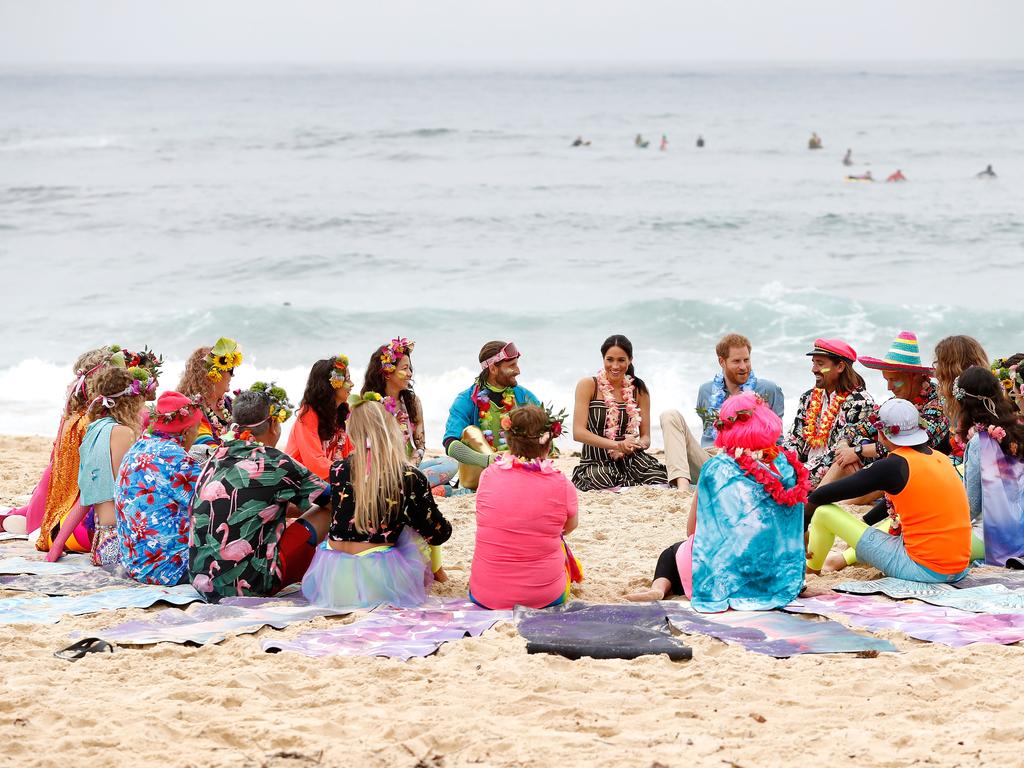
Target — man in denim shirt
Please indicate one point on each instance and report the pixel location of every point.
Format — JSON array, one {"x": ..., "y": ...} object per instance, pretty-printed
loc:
[{"x": 683, "y": 456}]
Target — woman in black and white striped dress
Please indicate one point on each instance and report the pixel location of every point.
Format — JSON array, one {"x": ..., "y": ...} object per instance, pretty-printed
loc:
[{"x": 612, "y": 420}]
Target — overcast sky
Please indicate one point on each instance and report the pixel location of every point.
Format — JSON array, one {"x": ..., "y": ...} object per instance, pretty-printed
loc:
[{"x": 326, "y": 31}]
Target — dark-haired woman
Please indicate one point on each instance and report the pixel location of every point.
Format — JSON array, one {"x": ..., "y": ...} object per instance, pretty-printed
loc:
[
  {"x": 318, "y": 438},
  {"x": 389, "y": 374},
  {"x": 613, "y": 421},
  {"x": 990, "y": 428}
]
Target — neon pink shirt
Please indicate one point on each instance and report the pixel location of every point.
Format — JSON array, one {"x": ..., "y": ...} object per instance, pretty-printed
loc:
[{"x": 520, "y": 515}]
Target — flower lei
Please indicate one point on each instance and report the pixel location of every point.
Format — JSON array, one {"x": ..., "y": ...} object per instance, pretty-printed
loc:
[
  {"x": 225, "y": 355},
  {"x": 508, "y": 461},
  {"x": 483, "y": 403},
  {"x": 612, "y": 414},
  {"x": 393, "y": 352},
  {"x": 818, "y": 426},
  {"x": 709, "y": 413},
  {"x": 786, "y": 497},
  {"x": 339, "y": 372}
]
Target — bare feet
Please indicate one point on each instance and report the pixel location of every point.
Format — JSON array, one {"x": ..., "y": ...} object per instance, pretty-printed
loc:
[
  {"x": 646, "y": 596},
  {"x": 835, "y": 561},
  {"x": 681, "y": 484},
  {"x": 440, "y": 575}
]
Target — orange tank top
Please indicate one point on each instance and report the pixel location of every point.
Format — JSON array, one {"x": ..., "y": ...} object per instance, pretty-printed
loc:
[{"x": 934, "y": 513}]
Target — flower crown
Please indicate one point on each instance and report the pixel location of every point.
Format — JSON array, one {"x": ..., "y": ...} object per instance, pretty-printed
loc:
[
  {"x": 339, "y": 372},
  {"x": 143, "y": 379},
  {"x": 354, "y": 401},
  {"x": 156, "y": 418},
  {"x": 280, "y": 407},
  {"x": 744, "y": 414},
  {"x": 225, "y": 355},
  {"x": 393, "y": 352},
  {"x": 551, "y": 429},
  {"x": 147, "y": 359},
  {"x": 1010, "y": 376}
]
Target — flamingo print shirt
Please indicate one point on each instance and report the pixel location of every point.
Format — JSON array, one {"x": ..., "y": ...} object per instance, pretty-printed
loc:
[
  {"x": 238, "y": 516},
  {"x": 155, "y": 485}
]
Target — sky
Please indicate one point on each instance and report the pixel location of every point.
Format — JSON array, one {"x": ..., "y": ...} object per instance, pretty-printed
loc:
[{"x": 309, "y": 32}]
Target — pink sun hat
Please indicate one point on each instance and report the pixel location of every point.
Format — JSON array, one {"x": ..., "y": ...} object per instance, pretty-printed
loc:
[
  {"x": 904, "y": 355},
  {"x": 834, "y": 348}
]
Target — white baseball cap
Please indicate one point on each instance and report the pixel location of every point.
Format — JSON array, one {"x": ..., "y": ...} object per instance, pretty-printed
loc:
[{"x": 900, "y": 422}]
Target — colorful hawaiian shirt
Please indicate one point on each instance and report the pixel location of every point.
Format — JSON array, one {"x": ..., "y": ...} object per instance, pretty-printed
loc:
[
  {"x": 153, "y": 497},
  {"x": 238, "y": 516},
  {"x": 850, "y": 421},
  {"x": 933, "y": 419}
]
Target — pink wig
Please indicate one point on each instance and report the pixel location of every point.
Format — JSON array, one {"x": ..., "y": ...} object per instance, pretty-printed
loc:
[{"x": 760, "y": 430}]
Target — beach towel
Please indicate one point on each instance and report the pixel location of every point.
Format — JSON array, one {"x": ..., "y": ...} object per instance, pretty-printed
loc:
[
  {"x": 748, "y": 551},
  {"x": 67, "y": 564},
  {"x": 50, "y": 610},
  {"x": 1002, "y": 501},
  {"x": 934, "y": 623},
  {"x": 774, "y": 633},
  {"x": 981, "y": 577},
  {"x": 600, "y": 631},
  {"x": 988, "y": 598},
  {"x": 211, "y": 623},
  {"x": 66, "y": 583},
  {"x": 897, "y": 589},
  {"x": 8, "y": 536},
  {"x": 400, "y": 633}
]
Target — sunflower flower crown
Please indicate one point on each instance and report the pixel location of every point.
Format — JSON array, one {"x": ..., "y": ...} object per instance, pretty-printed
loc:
[
  {"x": 339, "y": 372},
  {"x": 281, "y": 408},
  {"x": 225, "y": 355},
  {"x": 393, "y": 352},
  {"x": 1010, "y": 375}
]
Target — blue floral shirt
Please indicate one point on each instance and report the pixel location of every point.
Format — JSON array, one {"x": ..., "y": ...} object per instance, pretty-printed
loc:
[{"x": 155, "y": 486}]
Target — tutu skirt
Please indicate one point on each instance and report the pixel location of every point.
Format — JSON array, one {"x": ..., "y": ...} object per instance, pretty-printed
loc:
[{"x": 398, "y": 576}]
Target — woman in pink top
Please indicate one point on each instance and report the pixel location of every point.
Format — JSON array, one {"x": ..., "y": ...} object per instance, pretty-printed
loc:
[{"x": 524, "y": 507}]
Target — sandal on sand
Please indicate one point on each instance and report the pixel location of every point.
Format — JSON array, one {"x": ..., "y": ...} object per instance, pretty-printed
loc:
[{"x": 75, "y": 651}]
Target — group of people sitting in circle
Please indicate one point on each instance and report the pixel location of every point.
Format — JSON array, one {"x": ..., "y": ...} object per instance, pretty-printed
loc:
[{"x": 190, "y": 486}]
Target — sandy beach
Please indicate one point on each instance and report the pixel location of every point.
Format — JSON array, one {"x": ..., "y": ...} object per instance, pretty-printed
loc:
[{"x": 485, "y": 701}]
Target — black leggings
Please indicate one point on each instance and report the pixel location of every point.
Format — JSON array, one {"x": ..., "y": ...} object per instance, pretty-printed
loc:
[{"x": 667, "y": 568}]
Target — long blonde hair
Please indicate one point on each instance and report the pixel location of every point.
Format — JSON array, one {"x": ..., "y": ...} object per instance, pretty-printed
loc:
[
  {"x": 109, "y": 382},
  {"x": 377, "y": 466},
  {"x": 194, "y": 381},
  {"x": 953, "y": 356}
]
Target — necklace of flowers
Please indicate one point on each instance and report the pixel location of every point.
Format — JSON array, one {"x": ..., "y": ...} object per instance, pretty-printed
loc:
[
  {"x": 612, "y": 413},
  {"x": 483, "y": 401},
  {"x": 508, "y": 461},
  {"x": 817, "y": 430},
  {"x": 785, "y": 497}
]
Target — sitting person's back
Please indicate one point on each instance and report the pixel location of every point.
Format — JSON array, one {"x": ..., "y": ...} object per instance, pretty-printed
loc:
[
  {"x": 384, "y": 520},
  {"x": 524, "y": 505}
]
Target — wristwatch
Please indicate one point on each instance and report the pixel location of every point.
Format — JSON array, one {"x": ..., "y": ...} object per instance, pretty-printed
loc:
[{"x": 859, "y": 450}]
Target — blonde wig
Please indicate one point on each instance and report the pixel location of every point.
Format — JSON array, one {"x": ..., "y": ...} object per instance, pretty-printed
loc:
[{"x": 377, "y": 466}]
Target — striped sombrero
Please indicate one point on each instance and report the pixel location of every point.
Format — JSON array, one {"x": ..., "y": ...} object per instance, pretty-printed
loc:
[{"x": 903, "y": 355}]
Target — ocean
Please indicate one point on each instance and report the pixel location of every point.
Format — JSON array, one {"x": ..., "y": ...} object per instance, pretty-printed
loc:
[{"x": 307, "y": 212}]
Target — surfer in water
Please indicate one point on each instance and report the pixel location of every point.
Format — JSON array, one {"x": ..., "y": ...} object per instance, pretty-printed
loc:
[
  {"x": 579, "y": 142},
  {"x": 988, "y": 173},
  {"x": 639, "y": 142},
  {"x": 896, "y": 176},
  {"x": 700, "y": 142},
  {"x": 814, "y": 142},
  {"x": 848, "y": 158},
  {"x": 664, "y": 142},
  {"x": 866, "y": 176}
]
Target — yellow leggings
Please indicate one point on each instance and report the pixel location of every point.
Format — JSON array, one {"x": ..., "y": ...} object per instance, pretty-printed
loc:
[{"x": 828, "y": 522}]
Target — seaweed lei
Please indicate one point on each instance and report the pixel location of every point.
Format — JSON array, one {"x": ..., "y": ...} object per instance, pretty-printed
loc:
[
  {"x": 818, "y": 426},
  {"x": 751, "y": 465},
  {"x": 393, "y": 352},
  {"x": 612, "y": 413}
]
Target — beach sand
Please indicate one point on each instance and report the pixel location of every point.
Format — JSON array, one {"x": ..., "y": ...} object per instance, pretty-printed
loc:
[{"x": 484, "y": 701}]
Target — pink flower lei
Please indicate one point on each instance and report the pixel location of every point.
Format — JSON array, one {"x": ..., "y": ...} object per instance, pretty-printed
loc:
[
  {"x": 612, "y": 414},
  {"x": 508, "y": 461}
]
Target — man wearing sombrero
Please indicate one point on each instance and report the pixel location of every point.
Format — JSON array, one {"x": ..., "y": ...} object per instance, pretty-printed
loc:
[
  {"x": 908, "y": 379},
  {"x": 834, "y": 412}
]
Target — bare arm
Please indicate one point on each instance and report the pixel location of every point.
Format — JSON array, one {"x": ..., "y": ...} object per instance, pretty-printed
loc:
[
  {"x": 644, "y": 401},
  {"x": 584, "y": 394},
  {"x": 121, "y": 439}
]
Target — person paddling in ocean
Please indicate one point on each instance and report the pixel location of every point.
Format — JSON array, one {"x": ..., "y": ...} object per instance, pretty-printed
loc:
[
  {"x": 848, "y": 158},
  {"x": 579, "y": 142},
  {"x": 473, "y": 433},
  {"x": 683, "y": 455},
  {"x": 242, "y": 543},
  {"x": 988, "y": 173},
  {"x": 897, "y": 175},
  {"x": 700, "y": 142},
  {"x": 814, "y": 142},
  {"x": 830, "y": 414},
  {"x": 866, "y": 176},
  {"x": 640, "y": 143}
]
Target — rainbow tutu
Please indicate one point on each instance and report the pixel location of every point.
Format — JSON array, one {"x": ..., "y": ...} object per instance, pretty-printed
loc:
[{"x": 399, "y": 575}]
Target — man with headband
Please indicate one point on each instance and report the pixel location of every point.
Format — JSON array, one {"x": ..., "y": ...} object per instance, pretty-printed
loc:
[
  {"x": 242, "y": 543},
  {"x": 833, "y": 412},
  {"x": 473, "y": 433}
]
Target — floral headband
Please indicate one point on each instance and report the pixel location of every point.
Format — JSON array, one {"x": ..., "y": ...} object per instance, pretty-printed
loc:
[
  {"x": 147, "y": 359},
  {"x": 743, "y": 414},
  {"x": 172, "y": 416},
  {"x": 960, "y": 393},
  {"x": 339, "y": 372},
  {"x": 137, "y": 387},
  {"x": 225, "y": 355},
  {"x": 280, "y": 407},
  {"x": 393, "y": 352},
  {"x": 552, "y": 429}
]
